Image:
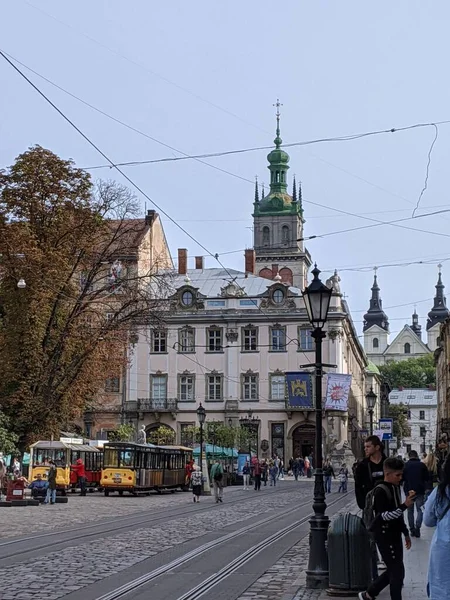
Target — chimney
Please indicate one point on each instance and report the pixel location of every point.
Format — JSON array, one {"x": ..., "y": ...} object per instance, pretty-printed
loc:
[
  {"x": 182, "y": 261},
  {"x": 250, "y": 261},
  {"x": 274, "y": 271},
  {"x": 150, "y": 217},
  {"x": 199, "y": 263}
]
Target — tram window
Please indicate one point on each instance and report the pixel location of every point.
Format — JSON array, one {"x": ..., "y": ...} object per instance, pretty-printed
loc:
[{"x": 111, "y": 457}]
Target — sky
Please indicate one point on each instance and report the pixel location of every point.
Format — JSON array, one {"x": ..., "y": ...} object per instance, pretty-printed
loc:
[{"x": 202, "y": 77}]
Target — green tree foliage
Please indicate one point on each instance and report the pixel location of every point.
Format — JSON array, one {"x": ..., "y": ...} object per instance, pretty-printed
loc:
[
  {"x": 8, "y": 439},
  {"x": 411, "y": 373},
  {"x": 161, "y": 436},
  {"x": 123, "y": 433},
  {"x": 399, "y": 413},
  {"x": 67, "y": 331}
]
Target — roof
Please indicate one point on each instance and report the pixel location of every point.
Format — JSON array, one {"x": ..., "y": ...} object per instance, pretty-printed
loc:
[
  {"x": 211, "y": 281},
  {"x": 63, "y": 446},
  {"x": 407, "y": 329},
  {"x": 414, "y": 397},
  {"x": 372, "y": 368}
]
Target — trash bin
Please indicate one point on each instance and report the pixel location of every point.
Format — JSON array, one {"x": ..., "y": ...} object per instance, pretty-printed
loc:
[
  {"x": 15, "y": 490},
  {"x": 349, "y": 556}
]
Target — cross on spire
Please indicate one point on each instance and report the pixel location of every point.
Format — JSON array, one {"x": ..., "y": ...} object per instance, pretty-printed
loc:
[{"x": 278, "y": 140}]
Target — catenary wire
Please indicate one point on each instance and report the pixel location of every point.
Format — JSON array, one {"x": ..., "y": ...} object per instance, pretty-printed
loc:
[{"x": 427, "y": 172}]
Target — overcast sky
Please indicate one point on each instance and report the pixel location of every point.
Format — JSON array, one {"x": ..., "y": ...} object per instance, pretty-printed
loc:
[{"x": 203, "y": 76}]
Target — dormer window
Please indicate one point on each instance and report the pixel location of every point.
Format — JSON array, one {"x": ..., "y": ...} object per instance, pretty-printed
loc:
[
  {"x": 187, "y": 298},
  {"x": 278, "y": 296}
]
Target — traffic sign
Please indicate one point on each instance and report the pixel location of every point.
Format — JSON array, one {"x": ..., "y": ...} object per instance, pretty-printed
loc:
[{"x": 387, "y": 427}]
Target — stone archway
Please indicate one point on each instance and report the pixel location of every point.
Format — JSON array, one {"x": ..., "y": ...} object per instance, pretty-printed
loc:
[
  {"x": 303, "y": 440},
  {"x": 160, "y": 434}
]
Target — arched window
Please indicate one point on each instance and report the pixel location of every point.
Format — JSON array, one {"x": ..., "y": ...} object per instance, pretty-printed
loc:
[
  {"x": 266, "y": 236},
  {"x": 285, "y": 234},
  {"x": 277, "y": 177},
  {"x": 407, "y": 348},
  {"x": 375, "y": 343}
]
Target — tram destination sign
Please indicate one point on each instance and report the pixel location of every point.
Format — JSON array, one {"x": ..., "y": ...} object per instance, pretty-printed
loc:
[{"x": 386, "y": 426}]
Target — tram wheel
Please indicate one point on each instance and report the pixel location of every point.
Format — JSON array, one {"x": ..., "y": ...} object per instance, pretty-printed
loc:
[
  {"x": 106, "y": 492},
  {"x": 120, "y": 492}
]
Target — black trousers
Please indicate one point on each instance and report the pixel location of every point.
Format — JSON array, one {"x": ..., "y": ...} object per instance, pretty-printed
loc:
[
  {"x": 257, "y": 482},
  {"x": 82, "y": 485},
  {"x": 391, "y": 550}
]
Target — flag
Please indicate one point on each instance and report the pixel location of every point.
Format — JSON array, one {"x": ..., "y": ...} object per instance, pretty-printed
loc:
[
  {"x": 338, "y": 389},
  {"x": 299, "y": 390}
]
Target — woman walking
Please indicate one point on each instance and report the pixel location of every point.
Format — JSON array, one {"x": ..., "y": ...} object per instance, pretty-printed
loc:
[
  {"x": 431, "y": 464},
  {"x": 197, "y": 483},
  {"x": 437, "y": 515}
]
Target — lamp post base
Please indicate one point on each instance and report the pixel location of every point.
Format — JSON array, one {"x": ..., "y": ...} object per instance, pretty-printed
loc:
[{"x": 317, "y": 572}]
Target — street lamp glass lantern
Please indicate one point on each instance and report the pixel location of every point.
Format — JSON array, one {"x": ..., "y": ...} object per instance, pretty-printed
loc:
[
  {"x": 201, "y": 414},
  {"x": 317, "y": 297},
  {"x": 371, "y": 399}
]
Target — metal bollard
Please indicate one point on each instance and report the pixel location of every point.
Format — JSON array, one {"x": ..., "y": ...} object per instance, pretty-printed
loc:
[{"x": 349, "y": 556}]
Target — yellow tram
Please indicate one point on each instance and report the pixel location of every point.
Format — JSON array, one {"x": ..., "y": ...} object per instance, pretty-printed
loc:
[{"x": 140, "y": 468}]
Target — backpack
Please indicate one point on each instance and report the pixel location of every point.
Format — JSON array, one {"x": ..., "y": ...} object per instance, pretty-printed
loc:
[
  {"x": 369, "y": 516},
  {"x": 218, "y": 475}
]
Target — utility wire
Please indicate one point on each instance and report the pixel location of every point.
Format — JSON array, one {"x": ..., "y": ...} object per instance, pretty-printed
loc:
[{"x": 427, "y": 172}]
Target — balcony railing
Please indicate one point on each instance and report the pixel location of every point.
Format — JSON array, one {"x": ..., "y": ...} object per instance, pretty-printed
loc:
[{"x": 157, "y": 404}]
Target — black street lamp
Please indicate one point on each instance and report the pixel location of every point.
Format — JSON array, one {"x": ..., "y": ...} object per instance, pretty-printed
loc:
[
  {"x": 317, "y": 297},
  {"x": 371, "y": 399},
  {"x": 201, "y": 415},
  {"x": 251, "y": 423}
]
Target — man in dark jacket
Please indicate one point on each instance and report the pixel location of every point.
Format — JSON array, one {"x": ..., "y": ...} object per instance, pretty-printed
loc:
[
  {"x": 415, "y": 477},
  {"x": 369, "y": 472}
]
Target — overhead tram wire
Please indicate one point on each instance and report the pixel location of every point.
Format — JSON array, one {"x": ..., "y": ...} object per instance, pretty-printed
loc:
[
  {"x": 124, "y": 175},
  {"x": 347, "y": 213}
]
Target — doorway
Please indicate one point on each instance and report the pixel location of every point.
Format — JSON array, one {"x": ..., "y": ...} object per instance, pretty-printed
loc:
[{"x": 304, "y": 440}]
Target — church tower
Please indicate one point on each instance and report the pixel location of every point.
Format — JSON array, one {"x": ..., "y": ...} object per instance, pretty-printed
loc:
[
  {"x": 437, "y": 315},
  {"x": 376, "y": 326},
  {"x": 278, "y": 223}
]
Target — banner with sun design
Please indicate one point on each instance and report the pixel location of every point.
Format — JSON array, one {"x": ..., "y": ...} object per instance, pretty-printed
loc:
[
  {"x": 299, "y": 390},
  {"x": 338, "y": 389}
]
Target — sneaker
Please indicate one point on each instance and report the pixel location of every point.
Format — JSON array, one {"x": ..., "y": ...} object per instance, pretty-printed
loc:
[
  {"x": 417, "y": 533},
  {"x": 195, "y": 499},
  {"x": 412, "y": 533},
  {"x": 220, "y": 500}
]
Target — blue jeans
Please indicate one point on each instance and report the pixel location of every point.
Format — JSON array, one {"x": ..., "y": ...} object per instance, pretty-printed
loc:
[
  {"x": 419, "y": 501},
  {"x": 327, "y": 479},
  {"x": 51, "y": 496}
]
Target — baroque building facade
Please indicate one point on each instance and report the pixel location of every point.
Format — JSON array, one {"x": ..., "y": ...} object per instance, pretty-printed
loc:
[{"x": 229, "y": 337}]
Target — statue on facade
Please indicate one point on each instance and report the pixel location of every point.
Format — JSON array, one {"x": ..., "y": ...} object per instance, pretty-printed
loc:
[
  {"x": 142, "y": 436},
  {"x": 334, "y": 283}
]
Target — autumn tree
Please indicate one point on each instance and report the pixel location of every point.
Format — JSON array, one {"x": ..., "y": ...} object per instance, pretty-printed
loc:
[
  {"x": 411, "y": 373},
  {"x": 76, "y": 246},
  {"x": 161, "y": 436}
]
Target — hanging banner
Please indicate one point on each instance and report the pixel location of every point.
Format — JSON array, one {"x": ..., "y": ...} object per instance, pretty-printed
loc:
[
  {"x": 338, "y": 389},
  {"x": 299, "y": 390}
]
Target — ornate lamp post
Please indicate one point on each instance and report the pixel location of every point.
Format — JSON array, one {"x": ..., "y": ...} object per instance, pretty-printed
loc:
[
  {"x": 201, "y": 416},
  {"x": 371, "y": 400},
  {"x": 249, "y": 422},
  {"x": 317, "y": 297}
]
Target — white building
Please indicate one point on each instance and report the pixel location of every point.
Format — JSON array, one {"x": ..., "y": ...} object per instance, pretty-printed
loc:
[
  {"x": 421, "y": 406},
  {"x": 408, "y": 342},
  {"x": 230, "y": 337}
]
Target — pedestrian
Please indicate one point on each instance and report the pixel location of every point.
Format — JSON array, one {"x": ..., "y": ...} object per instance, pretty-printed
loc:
[
  {"x": 246, "y": 475},
  {"x": 368, "y": 474},
  {"x": 281, "y": 469},
  {"x": 328, "y": 473},
  {"x": 257, "y": 475},
  {"x": 264, "y": 472},
  {"x": 415, "y": 477},
  {"x": 15, "y": 465},
  {"x": 387, "y": 526},
  {"x": 80, "y": 472},
  {"x": 437, "y": 514},
  {"x": 301, "y": 464},
  {"x": 343, "y": 479},
  {"x": 51, "y": 480},
  {"x": 217, "y": 479},
  {"x": 197, "y": 482},
  {"x": 188, "y": 471},
  {"x": 273, "y": 471},
  {"x": 431, "y": 464},
  {"x": 307, "y": 467},
  {"x": 296, "y": 468}
]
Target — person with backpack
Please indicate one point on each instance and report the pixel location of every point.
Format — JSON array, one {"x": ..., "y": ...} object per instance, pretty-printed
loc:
[
  {"x": 217, "y": 479},
  {"x": 369, "y": 472},
  {"x": 383, "y": 517},
  {"x": 437, "y": 514},
  {"x": 415, "y": 477}
]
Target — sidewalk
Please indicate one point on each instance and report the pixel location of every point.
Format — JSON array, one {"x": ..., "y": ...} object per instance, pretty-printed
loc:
[{"x": 416, "y": 563}]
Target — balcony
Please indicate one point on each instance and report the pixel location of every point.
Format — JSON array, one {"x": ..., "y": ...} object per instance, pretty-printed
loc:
[{"x": 145, "y": 405}]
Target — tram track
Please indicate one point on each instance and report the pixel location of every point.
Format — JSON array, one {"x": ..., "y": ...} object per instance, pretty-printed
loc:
[
  {"x": 25, "y": 546},
  {"x": 230, "y": 568}
]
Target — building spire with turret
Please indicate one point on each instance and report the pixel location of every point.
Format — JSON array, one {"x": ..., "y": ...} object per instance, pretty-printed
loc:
[
  {"x": 416, "y": 327},
  {"x": 375, "y": 315},
  {"x": 439, "y": 312}
]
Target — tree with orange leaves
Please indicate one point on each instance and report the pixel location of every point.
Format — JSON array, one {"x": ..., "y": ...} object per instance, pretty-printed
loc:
[{"x": 77, "y": 247}]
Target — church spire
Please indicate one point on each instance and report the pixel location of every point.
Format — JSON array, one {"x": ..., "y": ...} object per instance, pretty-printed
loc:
[
  {"x": 439, "y": 312},
  {"x": 294, "y": 191},
  {"x": 278, "y": 161},
  {"x": 256, "y": 190},
  {"x": 416, "y": 327},
  {"x": 375, "y": 315}
]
